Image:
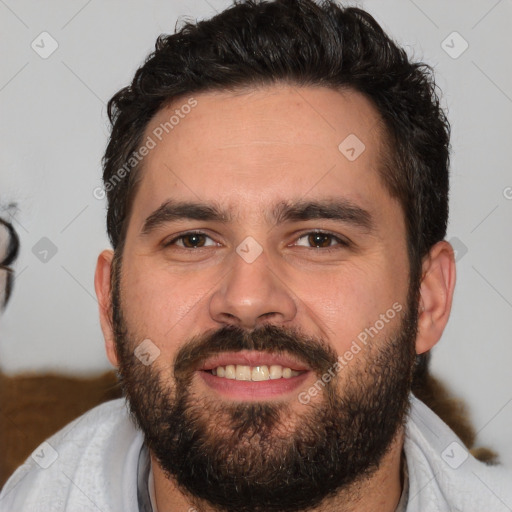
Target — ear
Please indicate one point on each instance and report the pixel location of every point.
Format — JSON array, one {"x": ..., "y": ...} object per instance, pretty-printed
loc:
[
  {"x": 436, "y": 294},
  {"x": 102, "y": 285}
]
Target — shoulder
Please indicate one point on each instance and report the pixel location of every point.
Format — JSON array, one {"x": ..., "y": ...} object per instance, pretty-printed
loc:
[
  {"x": 443, "y": 473},
  {"x": 93, "y": 460}
]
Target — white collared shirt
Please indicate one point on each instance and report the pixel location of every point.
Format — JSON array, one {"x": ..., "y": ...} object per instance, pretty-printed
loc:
[{"x": 92, "y": 464}]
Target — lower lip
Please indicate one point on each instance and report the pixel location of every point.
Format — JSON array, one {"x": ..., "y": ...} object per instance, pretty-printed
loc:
[{"x": 251, "y": 390}]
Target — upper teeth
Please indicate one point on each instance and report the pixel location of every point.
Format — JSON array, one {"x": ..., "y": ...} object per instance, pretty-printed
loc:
[{"x": 255, "y": 373}]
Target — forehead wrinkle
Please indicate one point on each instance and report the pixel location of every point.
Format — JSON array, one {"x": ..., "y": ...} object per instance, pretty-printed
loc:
[{"x": 339, "y": 209}]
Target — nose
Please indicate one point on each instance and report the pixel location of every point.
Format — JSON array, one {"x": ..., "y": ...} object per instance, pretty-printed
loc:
[{"x": 252, "y": 294}]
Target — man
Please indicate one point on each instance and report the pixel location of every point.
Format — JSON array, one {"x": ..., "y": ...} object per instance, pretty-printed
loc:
[{"x": 277, "y": 183}]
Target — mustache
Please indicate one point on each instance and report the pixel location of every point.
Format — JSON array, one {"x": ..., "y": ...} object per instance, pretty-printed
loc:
[{"x": 314, "y": 352}]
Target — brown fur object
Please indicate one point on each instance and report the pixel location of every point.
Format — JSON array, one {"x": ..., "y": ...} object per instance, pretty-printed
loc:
[
  {"x": 454, "y": 412},
  {"x": 33, "y": 407}
]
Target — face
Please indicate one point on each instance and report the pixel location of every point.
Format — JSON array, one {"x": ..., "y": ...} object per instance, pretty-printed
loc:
[{"x": 265, "y": 266}]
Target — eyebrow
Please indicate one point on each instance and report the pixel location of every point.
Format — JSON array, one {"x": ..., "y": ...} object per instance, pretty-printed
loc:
[
  {"x": 178, "y": 210},
  {"x": 334, "y": 209}
]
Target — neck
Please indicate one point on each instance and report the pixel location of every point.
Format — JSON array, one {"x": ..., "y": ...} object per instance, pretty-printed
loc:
[{"x": 381, "y": 491}]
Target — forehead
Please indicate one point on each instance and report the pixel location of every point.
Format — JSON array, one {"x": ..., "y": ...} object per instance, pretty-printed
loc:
[{"x": 254, "y": 148}]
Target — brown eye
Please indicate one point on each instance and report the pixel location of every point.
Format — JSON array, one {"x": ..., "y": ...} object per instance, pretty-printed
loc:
[
  {"x": 320, "y": 239},
  {"x": 193, "y": 240}
]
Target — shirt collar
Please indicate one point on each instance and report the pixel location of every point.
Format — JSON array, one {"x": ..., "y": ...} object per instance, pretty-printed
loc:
[
  {"x": 404, "y": 498},
  {"x": 143, "y": 476}
]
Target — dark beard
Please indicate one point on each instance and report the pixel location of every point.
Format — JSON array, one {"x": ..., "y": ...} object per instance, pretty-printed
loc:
[{"x": 244, "y": 457}]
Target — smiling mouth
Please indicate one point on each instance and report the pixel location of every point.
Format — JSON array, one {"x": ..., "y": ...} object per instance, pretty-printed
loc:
[{"x": 254, "y": 373}]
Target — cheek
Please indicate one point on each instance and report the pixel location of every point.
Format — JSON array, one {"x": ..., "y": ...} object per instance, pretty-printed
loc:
[
  {"x": 346, "y": 302},
  {"x": 160, "y": 305}
]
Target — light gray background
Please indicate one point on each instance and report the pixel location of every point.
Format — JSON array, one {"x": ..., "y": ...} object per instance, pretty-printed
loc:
[{"x": 53, "y": 132}]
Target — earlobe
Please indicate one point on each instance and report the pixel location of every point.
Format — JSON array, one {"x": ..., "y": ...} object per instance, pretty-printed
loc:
[
  {"x": 436, "y": 294},
  {"x": 102, "y": 285}
]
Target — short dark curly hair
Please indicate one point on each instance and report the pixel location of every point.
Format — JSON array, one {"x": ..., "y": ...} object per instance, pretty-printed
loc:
[{"x": 304, "y": 43}]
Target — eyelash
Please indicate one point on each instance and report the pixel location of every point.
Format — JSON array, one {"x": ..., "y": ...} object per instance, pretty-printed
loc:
[{"x": 342, "y": 243}]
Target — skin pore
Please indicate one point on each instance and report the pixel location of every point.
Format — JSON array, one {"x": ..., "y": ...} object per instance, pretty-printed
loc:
[{"x": 249, "y": 157}]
